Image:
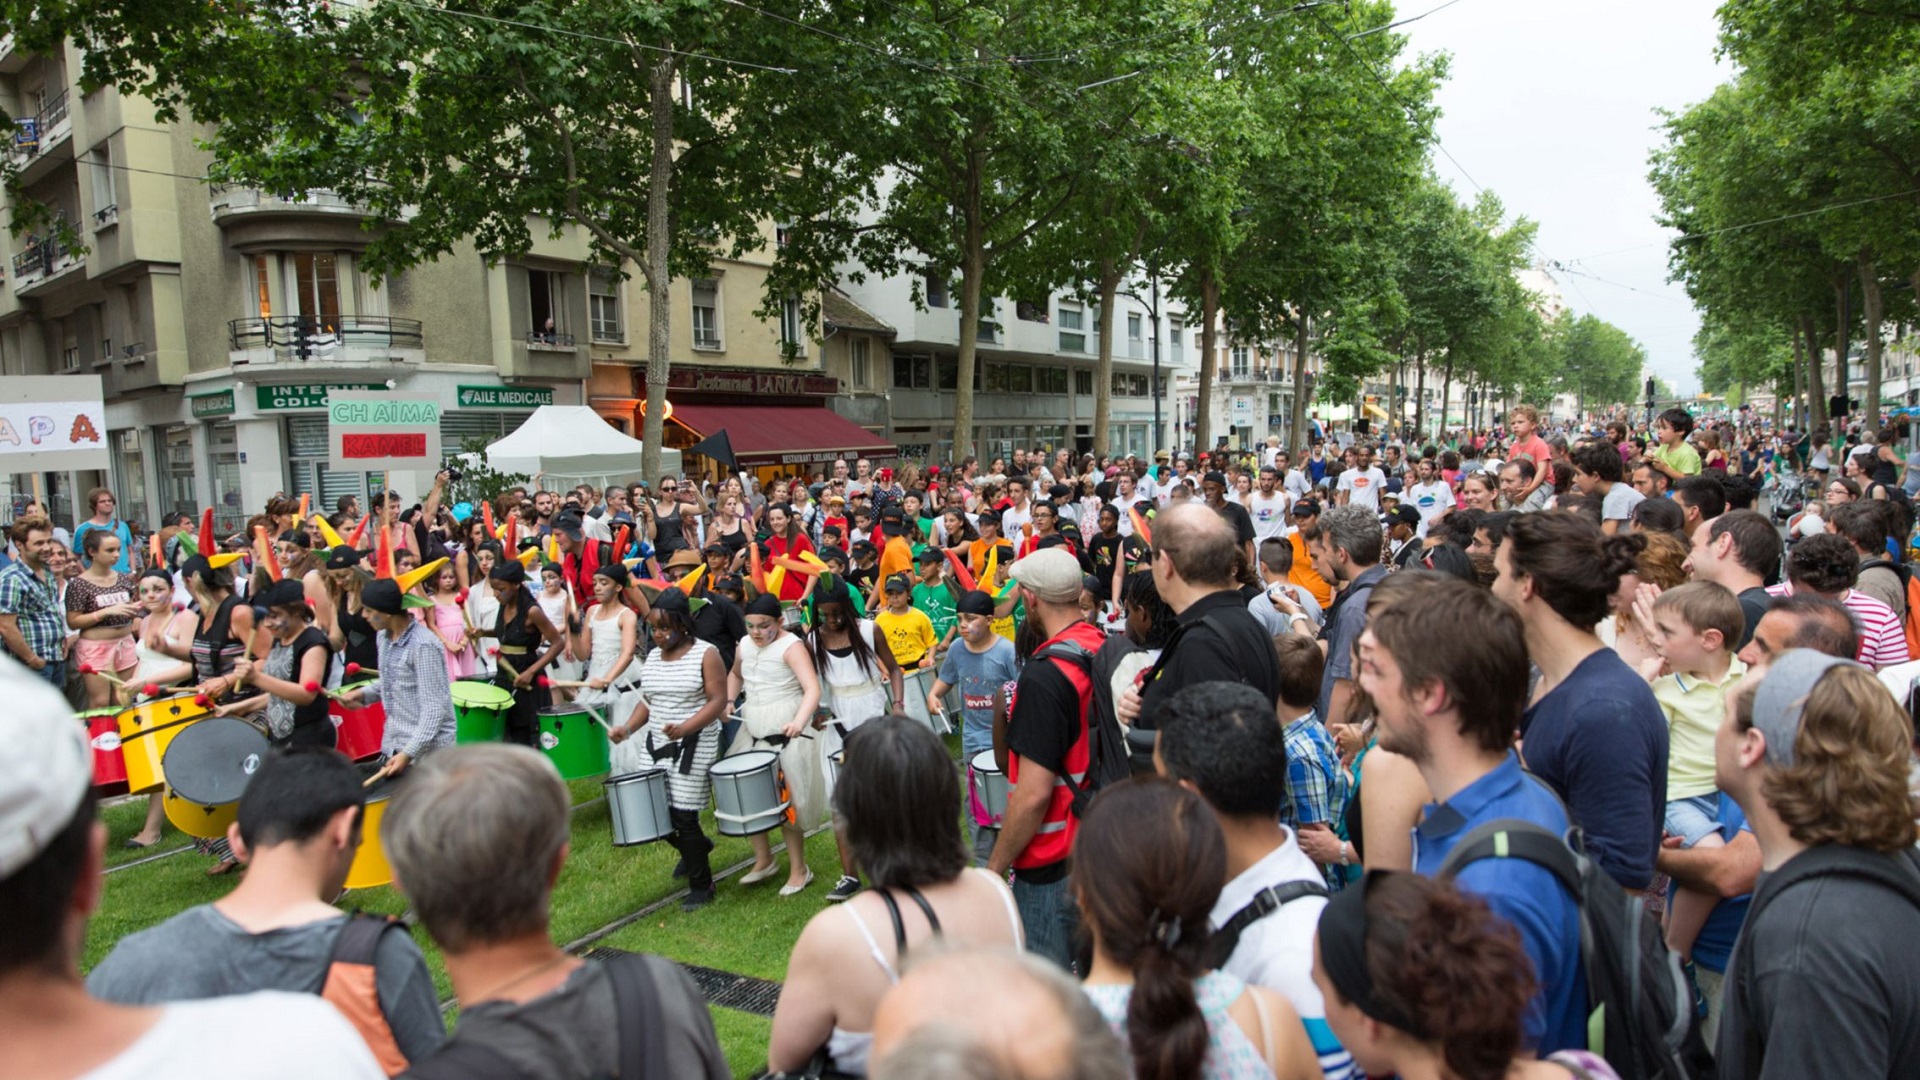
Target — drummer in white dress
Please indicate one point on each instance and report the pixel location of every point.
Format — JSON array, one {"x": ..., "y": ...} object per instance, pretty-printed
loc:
[
  {"x": 608, "y": 636},
  {"x": 557, "y": 601},
  {"x": 683, "y": 694},
  {"x": 782, "y": 691},
  {"x": 857, "y": 670}
]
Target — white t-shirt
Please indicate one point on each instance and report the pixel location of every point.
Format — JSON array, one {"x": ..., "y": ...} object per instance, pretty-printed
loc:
[
  {"x": 1269, "y": 514},
  {"x": 1431, "y": 500},
  {"x": 1277, "y": 952},
  {"x": 1365, "y": 486},
  {"x": 1618, "y": 503},
  {"x": 1297, "y": 484},
  {"x": 1013, "y": 518},
  {"x": 265, "y": 1034}
]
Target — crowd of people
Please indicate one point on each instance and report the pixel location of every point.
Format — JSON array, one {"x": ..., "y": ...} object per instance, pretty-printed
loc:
[{"x": 1326, "y": 763}]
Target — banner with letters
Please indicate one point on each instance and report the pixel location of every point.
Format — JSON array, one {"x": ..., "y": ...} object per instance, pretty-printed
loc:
[
  {"x": 52, "y": 422},
  {"x": 375, "y": 430}
]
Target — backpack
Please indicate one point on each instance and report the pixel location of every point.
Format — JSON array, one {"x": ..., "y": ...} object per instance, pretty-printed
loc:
[
  {"x": 1640, "y": 1013},
  {"x": 1910, "y": 622},
  {"x": 643, "y": 1043},
  {"x": 1265, "y": 902},
  {"x": 1106, "y": 749},
  {"x": 1831, "y": 860},
  {"x": 349, "y": 986}
]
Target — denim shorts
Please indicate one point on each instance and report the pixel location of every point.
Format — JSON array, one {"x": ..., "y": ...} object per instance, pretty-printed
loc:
[{"x": 1693, "y": 820}]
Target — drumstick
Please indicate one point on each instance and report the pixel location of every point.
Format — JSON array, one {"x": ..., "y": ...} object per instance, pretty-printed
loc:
[
  {"x": 89, "y": 669},
  {"x": 507, "y": 665}
]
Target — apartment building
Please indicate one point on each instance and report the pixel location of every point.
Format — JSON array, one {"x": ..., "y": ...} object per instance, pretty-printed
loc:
[{"x": 221, "y": 318}]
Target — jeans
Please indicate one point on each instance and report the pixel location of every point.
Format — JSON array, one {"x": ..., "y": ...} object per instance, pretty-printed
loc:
[
  {"x": 56, "y": 673},
  {"x": 1049, "y": 917},
  {"x": 1712, "y": 987}
]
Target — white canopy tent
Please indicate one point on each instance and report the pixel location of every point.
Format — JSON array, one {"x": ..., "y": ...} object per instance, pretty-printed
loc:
[{"x": 564, "y": 445}]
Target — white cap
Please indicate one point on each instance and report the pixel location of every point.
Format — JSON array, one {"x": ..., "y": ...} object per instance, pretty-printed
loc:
[{"x": 45, "y": 770}]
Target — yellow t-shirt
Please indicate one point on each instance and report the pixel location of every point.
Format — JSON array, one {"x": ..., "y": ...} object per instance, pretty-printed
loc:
[
  {"x": 1694, "y": 708},
  {"x": 909, "y": 634},
  {"x": 1681, "y": 457}
]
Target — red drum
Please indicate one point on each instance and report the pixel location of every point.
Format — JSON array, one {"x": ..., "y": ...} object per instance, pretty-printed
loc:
[
  {"x": 357, "y": 731},
  {"x": 109, "y": 761}
]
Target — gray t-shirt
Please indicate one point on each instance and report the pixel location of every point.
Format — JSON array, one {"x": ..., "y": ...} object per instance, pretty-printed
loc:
[
  {"x": 573, "y": 1031},
  {"x": 978, "y": 675},
  {"x": 1340, "y": 635},
  {"x": 201, "y": 953},
  {"x": 1619, "y": 502}
]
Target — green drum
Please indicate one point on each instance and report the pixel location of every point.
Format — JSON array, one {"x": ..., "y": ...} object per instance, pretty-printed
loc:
[
  {"x": 575, "y": 742},
  {"x": 480, "y": 711}
]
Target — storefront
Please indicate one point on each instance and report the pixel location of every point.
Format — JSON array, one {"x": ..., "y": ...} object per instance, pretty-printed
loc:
[{"x": 777, "y": 421}]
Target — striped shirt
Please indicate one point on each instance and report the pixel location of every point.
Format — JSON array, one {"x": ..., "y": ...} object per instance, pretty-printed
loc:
[
  {"x": 1883, "y": 641},
  {"x": 413, "y": 684}
]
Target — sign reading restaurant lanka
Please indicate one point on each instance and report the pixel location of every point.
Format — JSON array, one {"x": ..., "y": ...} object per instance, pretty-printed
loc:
[{"x": 744, "y": 381}]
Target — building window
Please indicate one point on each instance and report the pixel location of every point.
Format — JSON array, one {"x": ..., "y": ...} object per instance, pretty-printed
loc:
[
  {"x": 1133, "y": 326},
  {"x": 545, "y": 296},
  {"x": 316, "y": 289},
  {"x": 1241, "y": 356},
  {"x": 706, "y": 315},
  {"x": 1028, "y": 311},
  {"x": 936, "y": 291},
  {"x": 912, "y": 371},
  {"x": 1051, "y": 380},
  {"x": 858, "y": 363},
  {"x": 106, "y": 209},
  {"x": 793, "y": 327},
  {"x": 1073, "y": 336},
  {"x": 782, "y": 232},
  {"x": 263, "y": 295},
  {"x": 603, "y": 307},
  {"x": 1176, "y": 337},
  {"x": 1020, "y": 379},
  {"x": 996, "y": 378},
  {"x": 1083, "y": 381}
]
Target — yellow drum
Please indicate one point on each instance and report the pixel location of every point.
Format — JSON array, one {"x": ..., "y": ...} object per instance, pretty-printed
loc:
[
  {"x": 145, "y": 731},
  {"x": 209, "y": 765},
  {"x": 370, "y": 867}
]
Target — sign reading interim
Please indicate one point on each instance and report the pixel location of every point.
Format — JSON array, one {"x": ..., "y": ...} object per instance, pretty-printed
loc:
[{"x": 379, "y": 429}]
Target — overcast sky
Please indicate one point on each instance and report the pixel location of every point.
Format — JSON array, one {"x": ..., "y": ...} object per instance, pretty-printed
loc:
[{"x": 1550, "y": 104}]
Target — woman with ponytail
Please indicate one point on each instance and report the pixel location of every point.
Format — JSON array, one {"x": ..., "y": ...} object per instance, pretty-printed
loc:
[
  {"x": 1593, "y": 729},
  {"x": 1148, "y": 864},
  {"x": 1423, "y": 980}
]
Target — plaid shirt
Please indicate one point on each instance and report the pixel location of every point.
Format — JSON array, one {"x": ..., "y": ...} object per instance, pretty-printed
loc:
[
  {"x": 413, "y": 684},
  {"x": 35, "y": 602},
  {"x": 1318, "y": 786}
]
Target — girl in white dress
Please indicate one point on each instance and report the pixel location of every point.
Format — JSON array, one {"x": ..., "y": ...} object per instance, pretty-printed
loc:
[
  {"x": 556, "y": 600},
  {"x": 782, "y": 691},
  {"x": 607, "y": 636},
  {"x": 161, "y": 639},
  {"x": 857, "y": 670},
  {"x": 483, "y": 609}
]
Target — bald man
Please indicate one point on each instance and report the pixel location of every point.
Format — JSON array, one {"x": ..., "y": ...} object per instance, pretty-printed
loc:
[
  {"x": 1218, "y": 639},
  {"x": 1035, "y": 1025}
]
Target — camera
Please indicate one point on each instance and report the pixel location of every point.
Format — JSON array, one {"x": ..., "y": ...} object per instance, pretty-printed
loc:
[{"x": 452, "y": 471}]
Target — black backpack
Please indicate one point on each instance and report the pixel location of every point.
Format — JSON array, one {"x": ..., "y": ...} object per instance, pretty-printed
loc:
[
  {"x": 1106, "y": 747},
  {"x": 1265, "y": 902},
  {"x": 1640, "y": 1014}
]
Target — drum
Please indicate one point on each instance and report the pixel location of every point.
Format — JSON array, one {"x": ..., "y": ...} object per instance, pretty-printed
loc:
[
  {"x": 480, "y": 711},
  {"x": 914, "y": 688},
  {"x": 145, "y": 731},
  {"x": 209, "y": 766},
  {"x": 987, "y": 790},
  {"x": 109, "y": 761},
  {"x": 370, "y": 861},
  {"x": 749, "y": 794},
  {"x": 638, "y": 804},
  {"x": 575, "y": 742},
  {"x": 833, "y": 764},
  {"x": 358, "y": 729}
]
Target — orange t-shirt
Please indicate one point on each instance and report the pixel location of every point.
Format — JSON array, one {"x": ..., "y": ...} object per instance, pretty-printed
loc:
[{"x": 1304, "y": 575}]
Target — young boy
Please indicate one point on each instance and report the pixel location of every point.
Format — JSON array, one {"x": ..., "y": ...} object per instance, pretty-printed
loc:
[
  {"x": 909, "y": 632},
  {"x": 980, "y": 665},
  {"x": 1674, "y": 456},
  {"x": 1695, "y": 627},
  {"x": 862, "y": 573},
  {"x": 1317, "y": 784},
  {"x": 932, "y": 595}
]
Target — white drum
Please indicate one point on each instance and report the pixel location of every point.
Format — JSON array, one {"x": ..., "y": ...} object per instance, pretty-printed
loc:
[
  {"x": 749, "y": 793},
  {"x": 832, "y": 766},
  {"x": 987, "y": 788},
  {"x": 915, "y": 687},
  {"x": 637, "y": 803}
]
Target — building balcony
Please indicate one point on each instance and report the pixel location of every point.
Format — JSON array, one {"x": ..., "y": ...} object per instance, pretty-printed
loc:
[
  {"x": 346, "y": 342},
  {"x": 256, "y": 220},
  {"x": 547, "y": 354},
  {"x": 12, "y": 60},
  {"x": 44, "y": 140},
  {"x": 42, "y": 263}
]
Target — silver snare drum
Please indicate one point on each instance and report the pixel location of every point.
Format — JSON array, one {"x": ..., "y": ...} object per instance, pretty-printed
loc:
[
  {"x": 637, "y": 803},
  {"x": 989, "y": 787},
  {"x": 749, "y": 793}
]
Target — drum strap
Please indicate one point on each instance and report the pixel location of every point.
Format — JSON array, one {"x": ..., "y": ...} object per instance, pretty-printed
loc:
[{"x": 683, "y": 750}]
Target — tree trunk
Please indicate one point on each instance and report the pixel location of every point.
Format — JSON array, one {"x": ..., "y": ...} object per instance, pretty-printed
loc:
[
  {"x": 1816, "y": 377},
  {"x": 1420, "y": 392},
  {"x": 1446, "y": 389},
  {"x": 1110, "y": 273},
  {"x": 659, "y": 245},
  {"x": 1393, "y": 397},
  {"x": 1297, "y": 421},
  {"x": 1798, "y": 416},
  {"x": 1843, "y": 311},
  {"x": 973, "y": 263},
  {"x": 1872, "y": 309},
  {"x": 1209, "y": 317}
]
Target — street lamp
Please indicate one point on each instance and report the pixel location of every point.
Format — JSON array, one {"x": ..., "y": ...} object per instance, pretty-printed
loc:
[{"x": 1152, "y": 301}]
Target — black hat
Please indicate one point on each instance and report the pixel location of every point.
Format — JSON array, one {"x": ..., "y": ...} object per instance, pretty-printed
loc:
[
  {"x": 1215, "y": 477},
  {"x": 929, "y": 554},
  {"x": 613, "y": 571},
  {"x": 1404, "y": 515},
  {"x": 974, "y": 602},
  {"x": 715, "y": 548},
  {"x": 862, "y": 547},
  {"x": 383, "y": 595},
  {"x": 281, "y": 594},
  {"x": 764, "y": 604},
  {"x": 673, "y": 600},
  {"x": 832, "y": 554},
  {"x": 898, "y": 583},
  {"x": 1059, "y": 491},
  {"x": 509, "y": 571},
  {"x": 1306, "y": 508},
  {"x": 344, "y": 558},
  {"x": 568, "y": 525}
]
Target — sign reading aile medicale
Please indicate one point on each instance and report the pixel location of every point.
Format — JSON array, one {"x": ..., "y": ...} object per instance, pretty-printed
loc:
[{"x": 379, "y": 429}]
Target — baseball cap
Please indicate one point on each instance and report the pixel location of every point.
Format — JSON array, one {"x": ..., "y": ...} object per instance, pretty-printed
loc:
[
  {"x": 1052, "y": 574},
  {"x": 862, "y": 547},
  {"x": 1306, "y": 508},
  {"x": 1215, "y": 477},
  {"x": 897, "y": 583},
  {"x": 832, "y": 554},
  {"x": 974, "y": 602},
  {"x": 929, "y": 554},
  {"x": 46, "y": 770},
  {"x": 1404, "y": 515},
  {"x": 1782, "y": 698}
]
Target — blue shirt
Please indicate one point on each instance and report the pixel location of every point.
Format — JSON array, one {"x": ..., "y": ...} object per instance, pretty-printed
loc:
[
  {"x": 1715, "y": 942},
  {"x": 1600, "y": 740},
  {"x": 1527, "y": 896},
  {"x": 978, "y": 676},
  {"x": 117, "y": 528}
]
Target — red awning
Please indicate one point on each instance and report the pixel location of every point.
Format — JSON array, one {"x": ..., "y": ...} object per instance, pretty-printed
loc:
[{"x": 782, "y": 434}]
